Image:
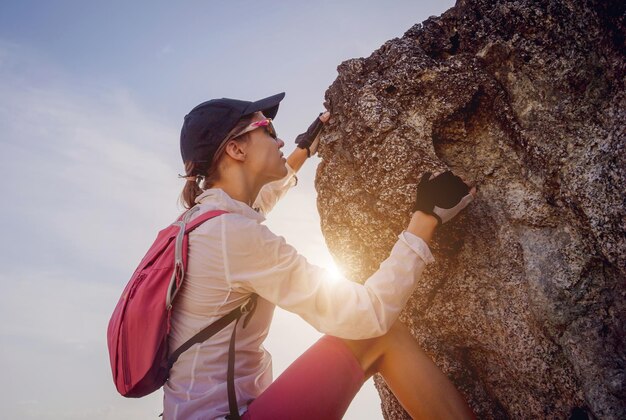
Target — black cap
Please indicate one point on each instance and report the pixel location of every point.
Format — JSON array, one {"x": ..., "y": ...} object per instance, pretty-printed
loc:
[{"x": 206, "y": 126}]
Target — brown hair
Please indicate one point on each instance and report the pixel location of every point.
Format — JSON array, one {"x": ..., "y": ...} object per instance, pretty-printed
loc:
[{"x": 206, "y": 173}]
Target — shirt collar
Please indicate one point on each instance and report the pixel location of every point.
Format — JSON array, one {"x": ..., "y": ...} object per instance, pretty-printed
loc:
[{"x": 217, "y": 199}]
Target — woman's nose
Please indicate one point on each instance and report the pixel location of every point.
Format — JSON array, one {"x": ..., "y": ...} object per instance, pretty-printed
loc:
[{"x": 280, "y": 142}]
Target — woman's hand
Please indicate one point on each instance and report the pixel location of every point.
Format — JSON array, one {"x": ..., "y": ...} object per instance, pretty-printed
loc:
[
  {"x": 307, "y": 142},
  {"x": 324, "y": 119},
  {"x": 310, "y": 139},
  {"x": 440, "y": 197},
  {"x": 443, "y": 195}
]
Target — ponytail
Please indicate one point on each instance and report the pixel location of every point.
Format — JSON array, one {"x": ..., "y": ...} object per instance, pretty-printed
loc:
[{"x": 195, "y": 177}]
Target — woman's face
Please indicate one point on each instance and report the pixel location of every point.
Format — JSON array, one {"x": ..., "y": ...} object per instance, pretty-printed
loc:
[{"x": 263, "y": 155}]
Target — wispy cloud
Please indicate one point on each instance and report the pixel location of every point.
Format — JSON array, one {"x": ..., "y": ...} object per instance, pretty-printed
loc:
[
  {"x": 76, "y": 162},
  {"x": 88, "y": 176}
]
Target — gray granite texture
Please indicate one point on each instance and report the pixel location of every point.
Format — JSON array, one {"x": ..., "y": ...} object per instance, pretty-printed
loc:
[{"x": 524, "y": 308}]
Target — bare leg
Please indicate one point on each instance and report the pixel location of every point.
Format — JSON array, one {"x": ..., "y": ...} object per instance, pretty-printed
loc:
[{"x": 418, "y": 384}]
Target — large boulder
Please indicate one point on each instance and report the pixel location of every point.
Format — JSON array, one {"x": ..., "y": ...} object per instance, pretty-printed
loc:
[{"x": 524, "y": 307}]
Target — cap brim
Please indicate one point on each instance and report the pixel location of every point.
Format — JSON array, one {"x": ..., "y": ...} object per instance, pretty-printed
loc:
[{"x": 269, "y": 106}]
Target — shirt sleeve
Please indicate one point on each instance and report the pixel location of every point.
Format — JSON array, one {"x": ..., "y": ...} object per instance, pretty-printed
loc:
[
  {"x": 263, "y": 263},
  {"x": 273, "y": 191}
]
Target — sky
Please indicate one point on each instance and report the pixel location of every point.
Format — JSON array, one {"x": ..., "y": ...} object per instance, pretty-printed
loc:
[{"x": 92, "y": 97}]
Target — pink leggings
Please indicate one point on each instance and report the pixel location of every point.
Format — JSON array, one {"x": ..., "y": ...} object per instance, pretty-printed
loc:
[{"x": 320, "y": 384}]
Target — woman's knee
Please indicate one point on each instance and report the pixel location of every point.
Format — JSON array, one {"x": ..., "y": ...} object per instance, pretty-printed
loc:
[
  {"x": 366, "y": 353},
  {"x": 369, "y": 352}
]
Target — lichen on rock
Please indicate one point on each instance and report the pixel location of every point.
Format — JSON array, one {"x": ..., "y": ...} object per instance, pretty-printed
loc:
[{"x": 524, "y": 308}]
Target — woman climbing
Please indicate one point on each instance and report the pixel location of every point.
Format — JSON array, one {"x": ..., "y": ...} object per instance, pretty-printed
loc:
[{"x": 233, "y": 162}]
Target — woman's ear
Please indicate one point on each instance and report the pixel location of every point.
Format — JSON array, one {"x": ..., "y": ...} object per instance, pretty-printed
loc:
[{"x": 236, "y": 150}]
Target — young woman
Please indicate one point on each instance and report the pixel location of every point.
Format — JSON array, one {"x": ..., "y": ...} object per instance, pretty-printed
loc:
[{"x": 233, "y": 162}]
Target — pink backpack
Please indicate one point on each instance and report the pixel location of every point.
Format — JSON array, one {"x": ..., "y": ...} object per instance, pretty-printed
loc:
[{"x": 138, "y": 329}]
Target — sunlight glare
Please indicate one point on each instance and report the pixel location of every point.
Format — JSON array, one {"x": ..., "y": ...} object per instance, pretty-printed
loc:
[{"x": 335, "y": 272}]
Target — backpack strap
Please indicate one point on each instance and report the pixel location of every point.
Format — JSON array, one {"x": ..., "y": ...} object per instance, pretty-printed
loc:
[
  {"x": 230, "y": 373},
  {"x": 184, "y": 228},
  {"x": 189, "y": 226},
  {"x": 246, "y": 309}
]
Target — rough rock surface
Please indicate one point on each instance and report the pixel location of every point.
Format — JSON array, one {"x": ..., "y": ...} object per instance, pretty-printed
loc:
[{"x": 524, "y": 306}]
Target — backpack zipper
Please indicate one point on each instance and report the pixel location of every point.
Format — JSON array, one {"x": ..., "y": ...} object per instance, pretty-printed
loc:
[{"x": 125, "y": 361}]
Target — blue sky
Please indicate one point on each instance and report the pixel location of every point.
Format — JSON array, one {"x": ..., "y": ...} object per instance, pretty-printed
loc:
[{"x": 92, "y": 95}]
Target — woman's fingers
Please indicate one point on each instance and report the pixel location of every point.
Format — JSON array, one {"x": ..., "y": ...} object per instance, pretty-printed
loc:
[{"x": 325, "y": 117}]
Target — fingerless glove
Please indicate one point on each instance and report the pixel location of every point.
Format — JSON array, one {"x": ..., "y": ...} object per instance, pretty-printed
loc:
[
  {"x": 444, "y": 196},
  {"x": 306, "y": 139}
]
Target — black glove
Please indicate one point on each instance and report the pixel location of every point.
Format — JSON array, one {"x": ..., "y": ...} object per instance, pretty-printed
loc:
[
  {"x": 444, "y": 196},
  {"x": 307, "y": 140}
]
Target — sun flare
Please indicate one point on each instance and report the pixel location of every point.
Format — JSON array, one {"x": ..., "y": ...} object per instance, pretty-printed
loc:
[{"x": 335, "y": 272}]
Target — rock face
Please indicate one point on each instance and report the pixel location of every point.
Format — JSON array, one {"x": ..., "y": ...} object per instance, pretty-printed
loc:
[{"x": 524, "y": 308}]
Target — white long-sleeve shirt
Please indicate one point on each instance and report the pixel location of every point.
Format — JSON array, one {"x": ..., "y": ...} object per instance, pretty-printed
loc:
[{"x": 235, "y": 255}]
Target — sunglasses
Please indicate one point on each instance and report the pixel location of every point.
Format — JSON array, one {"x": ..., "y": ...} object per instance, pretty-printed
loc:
[{"x": 267, "y": 123}]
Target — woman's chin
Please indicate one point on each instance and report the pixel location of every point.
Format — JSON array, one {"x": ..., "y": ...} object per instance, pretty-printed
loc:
[{"x": 280, "y": 174}]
